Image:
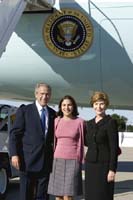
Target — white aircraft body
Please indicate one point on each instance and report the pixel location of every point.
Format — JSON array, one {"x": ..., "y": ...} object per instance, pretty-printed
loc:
[
  {"x": 76, "y": 46},
  {"x": 10, "y": 12},
  {"x": 106, "y": 65}
]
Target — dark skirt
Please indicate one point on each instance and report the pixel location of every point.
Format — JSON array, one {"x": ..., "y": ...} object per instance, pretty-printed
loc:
[
  {"x": 96, "y": 185},
  {"x": 66, "y": 178}
]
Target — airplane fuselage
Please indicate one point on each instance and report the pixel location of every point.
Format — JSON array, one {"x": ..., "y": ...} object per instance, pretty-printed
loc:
[{"x": 107, "y": 64}]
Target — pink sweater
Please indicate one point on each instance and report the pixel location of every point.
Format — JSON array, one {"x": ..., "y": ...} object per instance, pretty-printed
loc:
[{"x": 69, "y": 139}]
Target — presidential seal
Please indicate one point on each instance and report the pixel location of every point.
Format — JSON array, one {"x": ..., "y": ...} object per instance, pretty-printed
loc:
[{"x": 68, "y": 33}]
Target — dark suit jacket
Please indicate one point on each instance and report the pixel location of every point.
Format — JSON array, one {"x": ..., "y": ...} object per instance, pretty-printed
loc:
[
  {"x": 102, "y": 142},
  {"x": 28, "y": 142}
]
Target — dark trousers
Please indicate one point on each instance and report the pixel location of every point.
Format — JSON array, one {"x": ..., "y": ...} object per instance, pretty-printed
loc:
[{"x": 33, "y": 186}]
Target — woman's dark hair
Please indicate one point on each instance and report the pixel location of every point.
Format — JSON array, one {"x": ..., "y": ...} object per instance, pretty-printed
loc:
[{"x": 75, "y": 110}]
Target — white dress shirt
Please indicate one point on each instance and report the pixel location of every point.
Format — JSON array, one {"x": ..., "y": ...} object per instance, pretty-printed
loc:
[{"x": 39, "y": 108}]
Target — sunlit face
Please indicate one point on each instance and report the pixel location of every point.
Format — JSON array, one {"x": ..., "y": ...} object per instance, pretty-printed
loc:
[
  {"x": 99, "y": 107},
  {"x": 67, "y": 107},
  {"x": 43, "y": 95}
]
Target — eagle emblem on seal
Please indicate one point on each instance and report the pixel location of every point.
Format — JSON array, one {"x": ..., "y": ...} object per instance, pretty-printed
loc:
[{"x": 68, "y": 33}]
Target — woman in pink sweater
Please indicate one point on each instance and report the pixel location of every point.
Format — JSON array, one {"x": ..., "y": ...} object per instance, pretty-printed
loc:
[{"x": 66, "y": 179}]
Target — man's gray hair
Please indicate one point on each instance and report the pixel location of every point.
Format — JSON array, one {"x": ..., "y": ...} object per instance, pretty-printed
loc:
[{"x": 38, "y": 85}]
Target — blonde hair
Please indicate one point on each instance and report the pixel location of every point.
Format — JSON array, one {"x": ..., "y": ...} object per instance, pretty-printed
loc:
[{"x": 97, "y": 96}]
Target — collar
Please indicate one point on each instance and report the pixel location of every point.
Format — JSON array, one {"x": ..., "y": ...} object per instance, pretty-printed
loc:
[{"x": 39, "y": 107}]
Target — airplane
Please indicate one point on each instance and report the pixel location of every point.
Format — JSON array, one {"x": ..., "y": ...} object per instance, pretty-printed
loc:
[{"x": 76, "y": 46}]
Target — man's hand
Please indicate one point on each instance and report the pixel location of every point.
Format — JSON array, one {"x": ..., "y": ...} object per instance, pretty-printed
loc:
[{"x": 15, "y": 162}]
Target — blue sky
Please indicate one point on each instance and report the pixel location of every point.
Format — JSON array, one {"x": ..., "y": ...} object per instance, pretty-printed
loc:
[{"x": 85, "y": 113}]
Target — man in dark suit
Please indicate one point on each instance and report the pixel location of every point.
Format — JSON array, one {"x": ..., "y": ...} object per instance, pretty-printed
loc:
[{"x": 31, "y": 145}]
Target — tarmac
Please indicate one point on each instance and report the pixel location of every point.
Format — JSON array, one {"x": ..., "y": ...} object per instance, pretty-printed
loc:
[
  {"x": 124, "y": 175},
  {"x": 123, "y": 182}
]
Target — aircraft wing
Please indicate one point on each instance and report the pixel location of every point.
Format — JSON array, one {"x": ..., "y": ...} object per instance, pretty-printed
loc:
[{"x": 10, "y": 12}]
